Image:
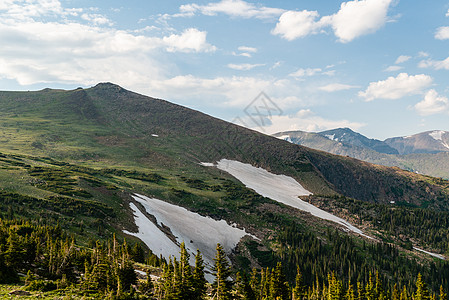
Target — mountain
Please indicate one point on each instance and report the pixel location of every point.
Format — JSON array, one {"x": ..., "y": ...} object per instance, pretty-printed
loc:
[
  {"x": 426, "y": 142},
  {"x": 95, "y": 161},
  {"x": 433, "y": 164},
  {"x": 347, "y": 136}
]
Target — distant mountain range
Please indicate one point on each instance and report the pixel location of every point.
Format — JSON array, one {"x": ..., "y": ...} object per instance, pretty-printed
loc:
[
  {"x": 425, "y": 153},
  {"x": 425, "y": 142}
]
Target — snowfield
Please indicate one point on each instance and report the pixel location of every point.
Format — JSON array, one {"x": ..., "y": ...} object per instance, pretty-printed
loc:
[
  {"x": 438, "y": 136},
  {"x": 280, "y": 188},
  {"x": 431, "y": 254},
  {"x": 285, "y": 138},
  {"x": 196, "y": 231}
]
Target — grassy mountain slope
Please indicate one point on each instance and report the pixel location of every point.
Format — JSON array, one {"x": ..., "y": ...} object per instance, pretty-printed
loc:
[{"x": 87, "y": 149}]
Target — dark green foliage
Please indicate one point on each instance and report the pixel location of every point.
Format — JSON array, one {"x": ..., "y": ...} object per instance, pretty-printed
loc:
[
  {"x": 428, "y": 226},
  {"x": 222, "y": 272},
  {"x": 149, "y": 177},
  {"x": 58, "y": 181},
  {"x": 65, "y": 205},
  {"x": 41, "y": 285}
]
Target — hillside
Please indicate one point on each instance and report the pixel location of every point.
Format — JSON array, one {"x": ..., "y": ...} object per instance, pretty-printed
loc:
[{"x": 79, "y": 158}]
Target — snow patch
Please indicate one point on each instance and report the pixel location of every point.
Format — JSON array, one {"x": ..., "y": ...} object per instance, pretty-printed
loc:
[
  {"x": 206, "y": 164},
  {"x": 196, "y": 231},
  {"x": 331, "y": 137},
  {"x": 280, "y": 188},
  {"x": 155, "y": 135},
  {"x": 142, "y": 273},
  {"x": 431, "y": 254},
  {"x": 285, "y": 137},
  {"x": 437, "y": 135}
]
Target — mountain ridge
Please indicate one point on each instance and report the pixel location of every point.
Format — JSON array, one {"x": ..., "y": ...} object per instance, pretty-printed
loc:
[{"x": 433, "y": 164}]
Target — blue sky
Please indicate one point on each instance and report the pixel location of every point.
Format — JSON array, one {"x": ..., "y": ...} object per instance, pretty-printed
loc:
[{"x": 379, "y": 67}]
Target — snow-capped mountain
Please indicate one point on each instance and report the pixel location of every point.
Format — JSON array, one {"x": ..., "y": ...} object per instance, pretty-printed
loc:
[
  {"x": 347, "y": 136},
  {"x": 425, "y": 142}
]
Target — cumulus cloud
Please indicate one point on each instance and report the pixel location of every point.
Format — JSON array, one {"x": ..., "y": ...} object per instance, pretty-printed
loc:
[
  {"x": 73, "y": 52},
  {"x": 435, "y": 64},
  {"x": 402, "y": 59},
  {"x": 298, "y": 24},
  {"x": 96, "y": 19},
  {"x": 432, "y": 104},
  {"x": 396, "y": 87},
  {"x": 357, "y": 18},
  {"x": 442, "y": 33},
  {"x": 335, "y": 87},
  {"x": 393, "y": 68},
  {"x": 191, "y": 40},
  {"x": 234, "y": 8},
  {"x": 244, "y": 67},
  {"x": 354, "y": 19}
]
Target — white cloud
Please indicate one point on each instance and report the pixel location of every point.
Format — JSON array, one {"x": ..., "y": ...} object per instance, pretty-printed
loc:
[
  {"x": 245, "y": 54},
  {"x": 305, "y": 120},
  {"x": 26, "y": 9},
  {"x": 96, "y": 19},
  {"x": 298, "y": 24},
  {"x": 402, "y": 58},
  {"x": 357, "y": 18},
  {"x": 354, "y": 19},
  {"x": 396, "y": 87},
  {"x": 423, "y": 54},
  {"x": 276, "y": 65},
  {"x": 244, "y": 67},
  {"x": 305, "y": 72},
  {"x": 432, "y": 104},
  {"x": 73, "y": 52},
  {"x": 234, "y": 8},
  {"x": 442, "y": 33},
  {"x": 335, "y": 87},
  {"x": 447, "y": 13},
  {"x": 247, "y": 49},
  {"x": 393, "y": 68},
  {"x": 436, "y": 64},
  {"x": 191, "y": 40}
]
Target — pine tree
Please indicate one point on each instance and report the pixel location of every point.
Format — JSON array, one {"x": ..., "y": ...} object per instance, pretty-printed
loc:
[
  {"x": 395, "y": 295},
  {"x": 199, "y": 281},
  {"x": 299, "y": 290},
  {"x": 186, "y": 276},
  {"x": 360, "y": 292},
  {"x": 254, "y": 282},
  {"x": 222, "y": 272},
  {"x": 404, "y": 294},
  {"x": 335, "y": 291},
  {"x": 378, "y": 291},
  {"x": 243, "y": 290},
  {"x": 278, "y": 284},
  {"x": 443, "y": 295},
  {"x": 370, "y": 291},
  {"x": 422, "y": 293},
  {"x": 350, "y": 292}
]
